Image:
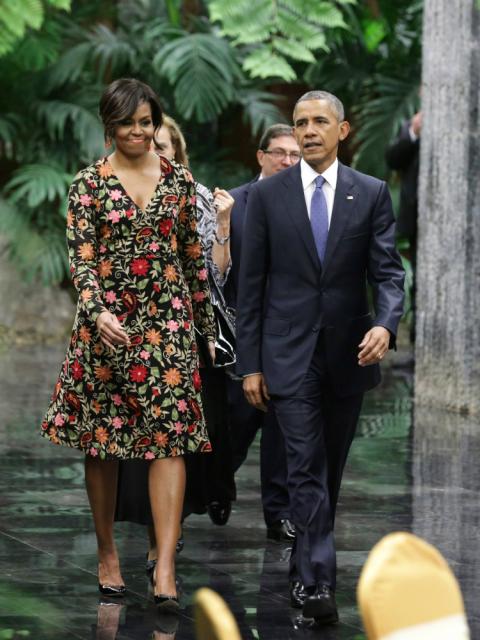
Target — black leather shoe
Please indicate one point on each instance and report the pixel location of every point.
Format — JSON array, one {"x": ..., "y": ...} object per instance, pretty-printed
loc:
[
  {"x": 167, "y": 604},
  {"x": 321, "y": 606},
  {"x": 219, "y": 512},
  {"x": 298, "y": 594},
  {"x": 282, "y": 531},
  {"x": 112, "y": 591}
]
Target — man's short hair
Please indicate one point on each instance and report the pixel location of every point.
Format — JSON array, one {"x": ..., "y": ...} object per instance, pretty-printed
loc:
[
  {"x": 333, "y": 101},
  {"x": 274, "y": 131}
]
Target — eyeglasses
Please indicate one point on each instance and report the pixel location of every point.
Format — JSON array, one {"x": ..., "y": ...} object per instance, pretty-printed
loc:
[{"x": 281, "y": 154}]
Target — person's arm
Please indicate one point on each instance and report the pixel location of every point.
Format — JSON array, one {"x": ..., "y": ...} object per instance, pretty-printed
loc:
[
  {"x": 251, "y": 290},
  {"x": 386, "y": 277},
  {"x": 82, "y": 247},
  {"x": 193, "y": 262},
  {"x": 82, "y": 254},
  {"x": 217, "y": 254},
  {"x": 402, "y": 150},
  {"x": 221, "y": 257}
]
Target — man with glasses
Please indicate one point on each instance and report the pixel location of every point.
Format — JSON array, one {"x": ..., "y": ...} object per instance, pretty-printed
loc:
[{"x": 278, "y": 150}]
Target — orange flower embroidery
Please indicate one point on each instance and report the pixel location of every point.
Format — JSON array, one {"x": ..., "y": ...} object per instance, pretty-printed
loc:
[
  {"x": 70, "y": 219},
  {"x": 152, "y": 309},
  {"x": 103, "y": 373},
  {"x": 173, "y": 242},
  {"x": 82, "y": 224},
  {"x": 99, "y": 349},
  {"x": 96, "y": 406},
  {"x": 105, "y": 268},
  {"x": 86, "y": 251},
  {"x": 86, "y": 295},
  {"x": 101, "y": 435},
  {"x": 105, "y": 170},
  {"x": 193, "y": 251},
  {"x": 172, "y": 377},
  {"x": 161, "y": 439},
  {"x": 85, "y": 335},
  {"x": 157, "y": 411},
  {"x": 169, "y": 349},
  {"x": 153, "y": 336},
  {"x": 170, "y": 273}
]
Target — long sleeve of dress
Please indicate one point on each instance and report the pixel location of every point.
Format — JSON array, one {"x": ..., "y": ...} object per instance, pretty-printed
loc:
[
  {"x": 82, "y": 247},
  {"x": 193, "y": 262},
  {"x": 207, "y": 224}
]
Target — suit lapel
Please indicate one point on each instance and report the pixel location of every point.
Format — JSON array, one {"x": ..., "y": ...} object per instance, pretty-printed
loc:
[
  {"x": 343, "y": 207},
  {"x": 297, "y": 210}
]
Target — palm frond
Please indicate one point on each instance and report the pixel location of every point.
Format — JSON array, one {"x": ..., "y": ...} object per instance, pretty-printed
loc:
[
  {"x": 37, "y": 183},
  {"x": 202, "y": 69},
  {"x": 259, "y": 109}
]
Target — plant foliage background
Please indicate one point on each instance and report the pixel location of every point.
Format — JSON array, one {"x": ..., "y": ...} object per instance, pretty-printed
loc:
[{"x": 222, "y": 69}]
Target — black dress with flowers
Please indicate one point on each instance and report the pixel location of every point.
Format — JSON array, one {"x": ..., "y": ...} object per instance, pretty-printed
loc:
[{"x": 146, "y": 267}]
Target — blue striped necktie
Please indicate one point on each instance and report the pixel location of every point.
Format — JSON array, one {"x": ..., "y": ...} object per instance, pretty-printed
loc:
[{"x": 319, "y": 218}]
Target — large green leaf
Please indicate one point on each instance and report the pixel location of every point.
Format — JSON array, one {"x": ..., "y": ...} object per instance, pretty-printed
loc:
[
  {"x": 202, "y": 70},
  {"x": 37, "y": 183},
  {"x": 259, "y": 109}
]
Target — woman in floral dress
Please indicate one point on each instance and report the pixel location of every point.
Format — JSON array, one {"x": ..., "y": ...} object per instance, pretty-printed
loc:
[{"x": 130, "y": 385}]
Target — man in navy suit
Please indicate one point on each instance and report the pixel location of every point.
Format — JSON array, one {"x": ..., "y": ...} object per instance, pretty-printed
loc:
[
  {"x": 278, "y": 150},
  {"x": 315, "y": 235}
]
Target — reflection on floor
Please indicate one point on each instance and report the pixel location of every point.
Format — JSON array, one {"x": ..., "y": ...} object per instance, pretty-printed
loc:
[{"x": 425, "y": 482}]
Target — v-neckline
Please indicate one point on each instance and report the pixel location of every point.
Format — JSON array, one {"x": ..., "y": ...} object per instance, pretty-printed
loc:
[{"x": 120, "y": 184}]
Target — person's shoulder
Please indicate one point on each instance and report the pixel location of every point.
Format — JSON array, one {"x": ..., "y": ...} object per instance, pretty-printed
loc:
[
  {"x": 243, "y": 188},
  {"x": 90, "y": 173}
]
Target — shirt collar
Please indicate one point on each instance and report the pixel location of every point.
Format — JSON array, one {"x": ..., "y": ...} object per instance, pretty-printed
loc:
[{"x": 309, "y": 174}]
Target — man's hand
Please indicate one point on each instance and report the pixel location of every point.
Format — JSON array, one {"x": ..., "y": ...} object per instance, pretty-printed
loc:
[
  {"x": 256, "y": 391},
  {"x": 373, "y": 346},
  {"x": 416, "y": 124},
  {"x": 111, "y": 330}
]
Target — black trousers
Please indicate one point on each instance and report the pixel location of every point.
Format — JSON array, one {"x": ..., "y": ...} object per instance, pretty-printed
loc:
[
  {"x": 318, "y": 428},
  {"x": 245, "y": 421}
]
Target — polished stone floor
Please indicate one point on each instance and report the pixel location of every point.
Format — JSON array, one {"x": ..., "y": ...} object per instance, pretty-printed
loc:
[{"x": 424, "y": 478}]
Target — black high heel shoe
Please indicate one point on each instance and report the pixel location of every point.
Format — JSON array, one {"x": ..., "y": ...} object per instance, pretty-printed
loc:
[
  {"x": 167, "y": 604},
  {"x": 112, "y": 591}
]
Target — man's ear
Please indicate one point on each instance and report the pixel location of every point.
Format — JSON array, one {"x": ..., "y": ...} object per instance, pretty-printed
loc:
[
  {"x": 260, "y": 157},
  {"x": 344, "y": 129}
]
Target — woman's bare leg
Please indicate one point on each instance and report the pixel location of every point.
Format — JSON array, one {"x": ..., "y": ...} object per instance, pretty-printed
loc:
[
  {"x": 166, "y": 482},
  {"x": 101, "y": 482},
  {"x": 152, "y": 543}
]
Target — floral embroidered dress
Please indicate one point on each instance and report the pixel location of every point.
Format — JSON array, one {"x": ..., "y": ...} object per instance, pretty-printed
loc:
[{"x": 147, "y": 268}]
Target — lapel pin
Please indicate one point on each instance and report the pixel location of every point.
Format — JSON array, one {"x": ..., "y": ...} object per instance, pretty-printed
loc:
[{"x": 349, "y": 197}]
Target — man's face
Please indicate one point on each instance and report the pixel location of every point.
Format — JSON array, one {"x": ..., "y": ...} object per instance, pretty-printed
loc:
[
  {"x": 282, "y": 152},
  {"x": 318, "y": 132}
]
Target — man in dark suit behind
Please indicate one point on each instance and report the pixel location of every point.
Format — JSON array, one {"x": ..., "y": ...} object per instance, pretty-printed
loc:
[
  {"x": 277, "y": 151},
  {"x": 314, "y": 236}
]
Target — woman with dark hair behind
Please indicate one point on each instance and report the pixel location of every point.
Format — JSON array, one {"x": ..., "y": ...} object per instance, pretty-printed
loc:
[
  {"x": 130, "y": 385},
  {"x": 210, "y": 479}
]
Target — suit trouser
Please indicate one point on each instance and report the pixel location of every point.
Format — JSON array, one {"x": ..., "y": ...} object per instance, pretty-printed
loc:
[
  {"x": 245, "y": 421},
  {"x": 318, "y": 428}
]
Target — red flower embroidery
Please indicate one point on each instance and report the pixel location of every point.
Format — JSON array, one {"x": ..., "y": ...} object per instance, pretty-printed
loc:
[
  {"x": 138, "y": 373},
  {"x": 165, "y": 227},
  {"x": 197, "y": 381},
  {"x": 77, "y": 370},
  {"x": 139, "y": 266}
]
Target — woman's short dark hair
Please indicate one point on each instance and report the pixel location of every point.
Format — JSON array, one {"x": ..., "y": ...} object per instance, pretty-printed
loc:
[{"x": 122, "y": 98}]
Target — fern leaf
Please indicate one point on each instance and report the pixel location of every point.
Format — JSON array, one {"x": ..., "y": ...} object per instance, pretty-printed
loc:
[
  {"x": 264, "y": 63},
  {"x": 37, "y": 183},
  {"x": 293, "y": 49}
]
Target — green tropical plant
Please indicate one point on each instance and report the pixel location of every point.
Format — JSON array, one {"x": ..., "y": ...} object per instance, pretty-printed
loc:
[
  {"x": 280, "y": 33},
  {"x": 16, "y": 17}
]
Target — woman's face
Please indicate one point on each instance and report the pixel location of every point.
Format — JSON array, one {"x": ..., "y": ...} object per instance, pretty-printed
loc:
[
  {"x": 163, "y": 143},
  {"x": 134, "y": 135}
]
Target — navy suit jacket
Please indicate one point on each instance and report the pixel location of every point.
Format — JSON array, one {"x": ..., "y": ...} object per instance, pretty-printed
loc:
[
  {"x": 286, "y": 296},
  {"x": 237, "y": 219}
]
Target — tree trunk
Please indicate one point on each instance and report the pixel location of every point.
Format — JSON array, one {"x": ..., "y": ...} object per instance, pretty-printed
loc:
[{"x": 448, "y": 276}]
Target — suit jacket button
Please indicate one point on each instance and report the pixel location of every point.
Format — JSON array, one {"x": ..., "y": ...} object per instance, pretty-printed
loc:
[{"x": 315, "y": 328}]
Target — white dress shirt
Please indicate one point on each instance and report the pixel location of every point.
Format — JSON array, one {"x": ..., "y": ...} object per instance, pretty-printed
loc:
[{"x": 309, "y": 175}]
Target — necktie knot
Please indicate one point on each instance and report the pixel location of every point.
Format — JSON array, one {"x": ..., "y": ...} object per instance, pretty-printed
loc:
[{"x": 319, "y": 181}]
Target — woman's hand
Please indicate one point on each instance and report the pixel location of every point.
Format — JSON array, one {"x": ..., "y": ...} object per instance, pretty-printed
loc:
[
  {"x": 223, "y": 205},
  {"x": 111, "y": 330}
]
